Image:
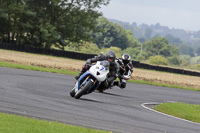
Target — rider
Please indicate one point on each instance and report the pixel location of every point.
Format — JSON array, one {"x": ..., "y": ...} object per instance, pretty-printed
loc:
[
  {"x": 113, "y": 69},
  {"x": 126, "y": 69}
]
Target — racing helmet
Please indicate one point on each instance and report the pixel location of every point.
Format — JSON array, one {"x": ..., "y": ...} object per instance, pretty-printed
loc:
[
  {"x": 110, "y": 55},
  {"x": 126, "y": 58}
]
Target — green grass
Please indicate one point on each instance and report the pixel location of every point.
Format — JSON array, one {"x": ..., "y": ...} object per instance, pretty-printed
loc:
[
  {"x": 189, "y": 112},
  {"x": 37, "y": 68},
  {"x": 18, "y": 124}
]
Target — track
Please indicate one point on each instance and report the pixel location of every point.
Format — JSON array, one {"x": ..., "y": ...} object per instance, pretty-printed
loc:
[{"x": 46, "y": 96}]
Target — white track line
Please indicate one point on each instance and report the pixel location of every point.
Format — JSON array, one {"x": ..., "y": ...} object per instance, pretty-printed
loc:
[{"x": 153, "y": 103}]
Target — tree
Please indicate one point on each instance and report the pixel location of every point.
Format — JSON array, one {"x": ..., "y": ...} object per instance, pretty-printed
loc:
[
  {"x": 4, "y": 25},
  {"x": 147, "y": 33},
  {"x": 133, "y": 52},
  {"x": 186, "y": 50},
  {"x": 159, "y": 46},
  {"x": 44, "y": 22},
  {"x": 173, "y": 40},
  {"x": 185, "y": 59},
  {"x": 89, "y": 48},
  {"x": 111, "y": 34},
  {"x": 141, "y": 40},
  {"x": 195, "y": 60},
  {"x": 174, "y": 60},
  {"x": 11, "y": 13}
]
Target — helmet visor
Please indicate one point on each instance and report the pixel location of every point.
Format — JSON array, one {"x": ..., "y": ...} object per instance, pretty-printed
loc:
[
  {"x": 125, "y": 62},
  {"x": 110, "y": 59}
]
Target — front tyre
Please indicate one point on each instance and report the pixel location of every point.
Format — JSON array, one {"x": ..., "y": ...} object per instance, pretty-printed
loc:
[
  {"x": 72, "y": 92},
  {"x": 83, "y": 89}
]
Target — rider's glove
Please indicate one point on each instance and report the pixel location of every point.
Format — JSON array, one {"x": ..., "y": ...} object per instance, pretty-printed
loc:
[{"x": 87, "y": 65}]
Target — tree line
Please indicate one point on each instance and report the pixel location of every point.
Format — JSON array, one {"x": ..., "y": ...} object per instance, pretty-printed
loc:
[
  {"x": 187, "y": 42},
  {"x": 111, "y": 36},
  {"x": 42, "y": 23},
  {"x": 77, "y": 25}
]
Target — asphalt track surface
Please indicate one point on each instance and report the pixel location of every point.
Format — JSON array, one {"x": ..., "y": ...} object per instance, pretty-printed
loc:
[{"x": 46, "y": 96}]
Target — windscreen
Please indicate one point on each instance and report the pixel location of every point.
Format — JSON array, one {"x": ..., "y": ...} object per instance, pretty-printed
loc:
[{"x": 105, "y": 63}]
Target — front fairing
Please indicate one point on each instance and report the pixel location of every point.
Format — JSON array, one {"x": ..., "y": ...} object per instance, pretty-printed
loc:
[
  {"x": 97, "y": 73},
  {"x": 100, "y": 70}
]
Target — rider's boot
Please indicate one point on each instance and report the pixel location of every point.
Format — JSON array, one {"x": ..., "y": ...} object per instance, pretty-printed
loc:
[
  {"x": 84, "y": 69},
  {"x": 78, "y": 76}
]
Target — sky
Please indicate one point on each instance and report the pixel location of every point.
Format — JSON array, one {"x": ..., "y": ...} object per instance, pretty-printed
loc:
[{"x": 177, "y": 14}]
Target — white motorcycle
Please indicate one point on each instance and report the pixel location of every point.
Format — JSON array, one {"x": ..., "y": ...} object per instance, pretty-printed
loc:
[{"x": 91, "y": 79}]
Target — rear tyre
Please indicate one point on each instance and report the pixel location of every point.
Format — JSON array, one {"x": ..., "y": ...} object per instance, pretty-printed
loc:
[
  {"x": 101, "y": 90},
  {"x": 83, "y": 89}
]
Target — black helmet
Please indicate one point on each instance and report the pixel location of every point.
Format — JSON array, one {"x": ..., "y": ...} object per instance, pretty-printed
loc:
[
  {"x": 110, "y": 54},
  {"x": 126, "y": 58}
]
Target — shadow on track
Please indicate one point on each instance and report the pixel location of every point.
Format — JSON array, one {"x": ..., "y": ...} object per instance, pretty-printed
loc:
[
  {"x": 112, "y": 94},
  {"x": 90, "y": 100}
]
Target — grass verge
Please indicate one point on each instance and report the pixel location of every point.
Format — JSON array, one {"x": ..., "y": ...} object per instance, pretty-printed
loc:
[
  {"x": 61, "y": 71},
  {"x": 19, "y": 124},
  {"x": 36, "y": 68},
  {"x": 163, "y": 85},
  {"x": 189, "y": 112}
]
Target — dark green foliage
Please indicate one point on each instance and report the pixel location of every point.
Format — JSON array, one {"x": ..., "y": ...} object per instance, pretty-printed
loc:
[
  {"x": 175, "y": 36},
  {"x": 186, "y": 50},
  {"x": 173, "y": 40},
  {"x": 111, "y": 34},
  {"x": 42, "y": 23},
  {"x": 174, "y": 60},
  {"x": 159, "y": 46},
  {"x": 133, "y": 52}
]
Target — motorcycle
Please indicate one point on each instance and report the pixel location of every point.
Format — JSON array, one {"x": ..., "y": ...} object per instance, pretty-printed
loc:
[{"x": 91, "y": 79}]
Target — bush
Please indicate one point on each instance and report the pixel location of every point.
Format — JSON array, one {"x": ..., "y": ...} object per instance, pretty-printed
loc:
[
  {"x": 195, "y": 60},
  {"x": 133, "y": 52},
  {"x": 158, "y": 60},
  {"x": 117, "y": 51},
  {"x": 185, "y": 60}
]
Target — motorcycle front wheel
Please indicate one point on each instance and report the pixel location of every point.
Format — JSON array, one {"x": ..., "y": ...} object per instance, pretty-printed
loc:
[
  {"x": 72, "y": 92},
  {"x": 83, "y": 89}
]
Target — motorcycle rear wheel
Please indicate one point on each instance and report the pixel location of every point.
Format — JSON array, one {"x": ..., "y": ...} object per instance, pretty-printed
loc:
[{"x": 83, "y": 89}]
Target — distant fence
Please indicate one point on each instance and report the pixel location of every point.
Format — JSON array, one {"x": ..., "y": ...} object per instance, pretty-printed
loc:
[
  {"x": 137, "y": 64},
  {"x": 52, "y": 52},
  {"x": 81, "y": 56}
]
